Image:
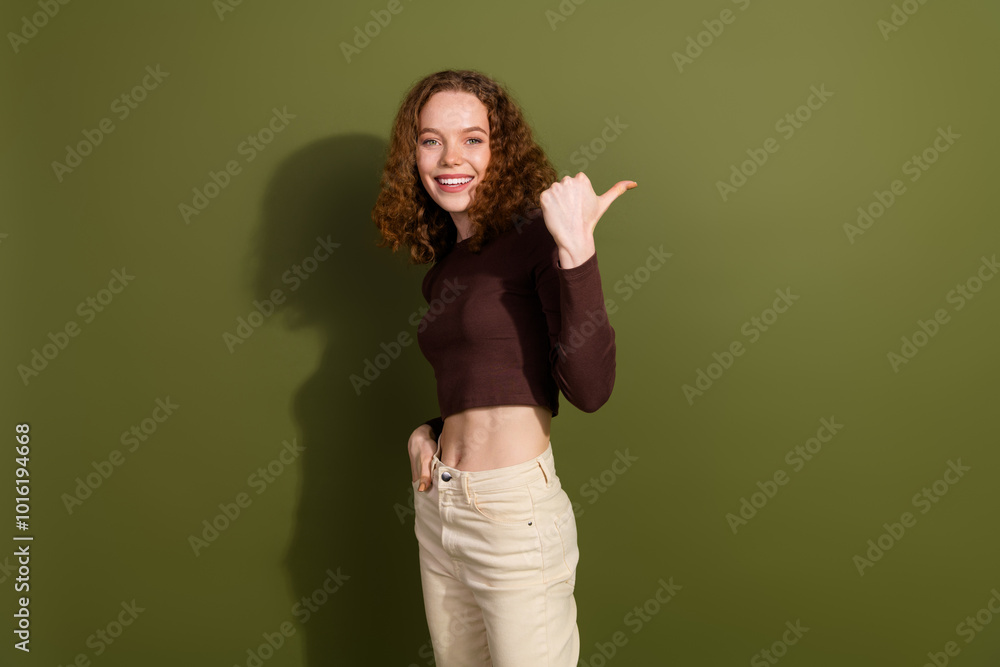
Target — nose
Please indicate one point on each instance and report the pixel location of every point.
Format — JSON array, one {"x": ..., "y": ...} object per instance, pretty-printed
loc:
[{"x": 452, "y": 154}]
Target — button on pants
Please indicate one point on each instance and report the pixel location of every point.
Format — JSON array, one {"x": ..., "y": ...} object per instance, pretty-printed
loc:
[{"x": 498, "y": 556}]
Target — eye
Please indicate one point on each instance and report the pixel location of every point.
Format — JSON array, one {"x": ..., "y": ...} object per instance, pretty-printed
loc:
[
  {"x": 475, "y": 139},
  {"x": 424, "y": 142}
]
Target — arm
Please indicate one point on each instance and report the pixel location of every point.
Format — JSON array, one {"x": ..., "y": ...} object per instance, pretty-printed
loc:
[{"x": 581, "y": 338}]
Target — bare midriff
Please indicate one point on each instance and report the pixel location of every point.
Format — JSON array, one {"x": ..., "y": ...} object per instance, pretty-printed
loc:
[{"x": 496, "y": 436}]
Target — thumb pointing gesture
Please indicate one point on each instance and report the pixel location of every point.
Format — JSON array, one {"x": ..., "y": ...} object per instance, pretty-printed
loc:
[
  {"x": 571, "y": 208},
  {"x": 616, "y": 191}
]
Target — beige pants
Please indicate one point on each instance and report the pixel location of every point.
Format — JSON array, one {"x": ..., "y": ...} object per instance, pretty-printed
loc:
[{"x": 498, "y": 556}]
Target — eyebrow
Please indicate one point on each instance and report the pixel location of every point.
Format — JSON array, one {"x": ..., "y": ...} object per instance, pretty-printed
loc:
[{"x": 474, "y": 128}]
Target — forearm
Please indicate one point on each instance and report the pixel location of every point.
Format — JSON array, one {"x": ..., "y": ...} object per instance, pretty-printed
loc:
[{"x": 584, "y": 365}]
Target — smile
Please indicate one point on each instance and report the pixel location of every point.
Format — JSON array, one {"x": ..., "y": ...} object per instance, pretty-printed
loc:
[{"x": 453, "y": 184}]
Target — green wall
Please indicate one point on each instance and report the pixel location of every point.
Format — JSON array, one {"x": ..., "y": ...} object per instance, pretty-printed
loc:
[{"x": 824, "y": 429}]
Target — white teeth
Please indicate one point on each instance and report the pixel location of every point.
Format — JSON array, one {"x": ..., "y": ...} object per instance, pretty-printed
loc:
[{"x": 454, "y": 181}]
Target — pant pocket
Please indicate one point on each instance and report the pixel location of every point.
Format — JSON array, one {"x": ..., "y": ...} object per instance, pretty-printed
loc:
[
  {"x": 512, "y": 506},
  {"x": 565, "y": 525},
  {"x": 557, "y": 533}
]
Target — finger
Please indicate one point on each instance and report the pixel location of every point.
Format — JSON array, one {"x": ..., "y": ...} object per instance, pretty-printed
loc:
[
  {"x": 425, "y": 480},
  {"x": 616, "y": 191}
]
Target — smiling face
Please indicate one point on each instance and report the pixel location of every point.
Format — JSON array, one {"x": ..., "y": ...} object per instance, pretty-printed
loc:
[{"x": 453, "y": 151}]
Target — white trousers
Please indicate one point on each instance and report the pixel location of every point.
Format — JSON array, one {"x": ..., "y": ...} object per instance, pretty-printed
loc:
[{"x": 498, "y": 558}]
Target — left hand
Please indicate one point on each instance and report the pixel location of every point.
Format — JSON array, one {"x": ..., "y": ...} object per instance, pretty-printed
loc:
[{"x": 571, "y": 209}]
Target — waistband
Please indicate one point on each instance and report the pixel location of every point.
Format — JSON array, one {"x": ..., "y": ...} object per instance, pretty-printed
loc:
[{"x": 497, "y": 478}]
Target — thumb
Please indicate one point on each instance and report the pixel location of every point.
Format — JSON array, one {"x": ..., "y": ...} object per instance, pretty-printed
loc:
[
  {"x": 616, "y": 191},
  {"x": 425, "y": 482}
]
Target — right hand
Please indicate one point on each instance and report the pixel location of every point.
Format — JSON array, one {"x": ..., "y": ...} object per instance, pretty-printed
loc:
[{"x": 422, "y": 447}]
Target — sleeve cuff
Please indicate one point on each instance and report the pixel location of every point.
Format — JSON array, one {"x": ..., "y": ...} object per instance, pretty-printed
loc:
[{"x": 576, "y": 272}]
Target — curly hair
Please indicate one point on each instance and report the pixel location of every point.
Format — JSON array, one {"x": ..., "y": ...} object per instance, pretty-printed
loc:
[{"x": 517, "y": 173}]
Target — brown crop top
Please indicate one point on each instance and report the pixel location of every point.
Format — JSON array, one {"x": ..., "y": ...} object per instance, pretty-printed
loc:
[{"x": 510, "y": 326}]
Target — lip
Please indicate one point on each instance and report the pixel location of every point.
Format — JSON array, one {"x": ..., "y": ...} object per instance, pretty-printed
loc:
[{"x": 453, "y": 188}]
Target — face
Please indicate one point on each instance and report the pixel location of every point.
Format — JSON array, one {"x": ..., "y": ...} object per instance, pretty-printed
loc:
[{"x": 453, "y": 151}]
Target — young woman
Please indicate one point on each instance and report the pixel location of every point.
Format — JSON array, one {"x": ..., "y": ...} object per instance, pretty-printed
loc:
[{"x": 516, "y": 314}]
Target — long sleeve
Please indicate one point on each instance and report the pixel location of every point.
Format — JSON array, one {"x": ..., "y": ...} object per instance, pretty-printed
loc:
[{"x": 581, "y": 338}]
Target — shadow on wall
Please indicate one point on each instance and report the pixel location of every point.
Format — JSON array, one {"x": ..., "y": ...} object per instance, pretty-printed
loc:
[{"x": 354, "y": 519}]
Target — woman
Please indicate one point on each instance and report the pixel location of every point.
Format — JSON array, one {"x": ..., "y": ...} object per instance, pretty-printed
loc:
[{"x": 516, "y": 315}]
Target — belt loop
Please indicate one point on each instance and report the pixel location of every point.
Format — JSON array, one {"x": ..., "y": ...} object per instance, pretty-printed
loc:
[
  {"x": 544, "y": 474},
  {"x": 468, "y": 494}
]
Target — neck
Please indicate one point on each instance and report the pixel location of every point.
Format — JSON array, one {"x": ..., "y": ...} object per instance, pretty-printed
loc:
[{"x": 462, "y": 224}]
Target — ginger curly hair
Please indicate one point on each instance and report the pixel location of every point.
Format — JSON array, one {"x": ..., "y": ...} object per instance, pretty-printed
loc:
[{"x": 517, "y": 173}]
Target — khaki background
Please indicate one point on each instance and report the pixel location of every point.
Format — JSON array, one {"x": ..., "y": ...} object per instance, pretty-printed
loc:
[{"x": 342, "y": 504}]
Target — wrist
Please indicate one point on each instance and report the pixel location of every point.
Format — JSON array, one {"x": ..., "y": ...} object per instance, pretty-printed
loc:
[{"x": 573, "y": 256}]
